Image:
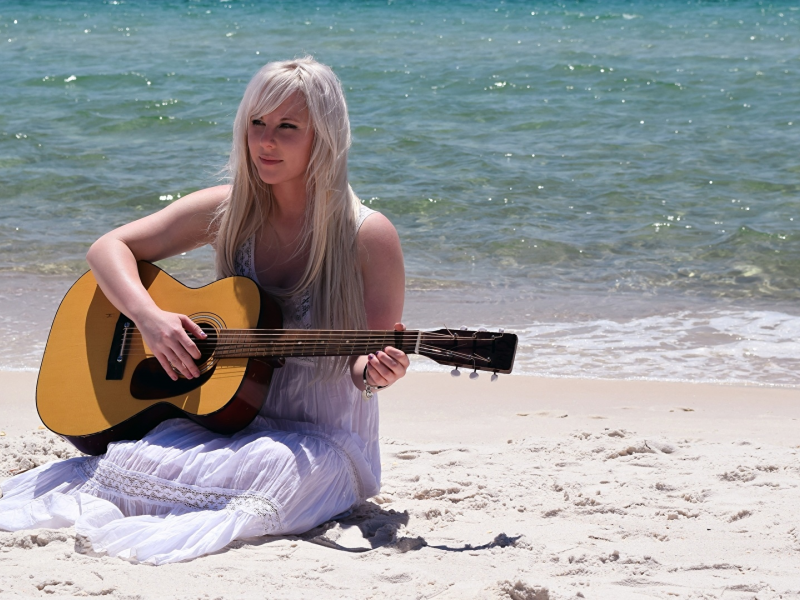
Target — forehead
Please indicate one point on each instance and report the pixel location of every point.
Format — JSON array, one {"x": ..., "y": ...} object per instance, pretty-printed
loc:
[{"x": 293, "y": 107}]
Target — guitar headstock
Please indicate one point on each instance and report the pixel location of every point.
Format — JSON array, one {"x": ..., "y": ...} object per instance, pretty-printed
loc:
[{"x": 474, "y": 350}]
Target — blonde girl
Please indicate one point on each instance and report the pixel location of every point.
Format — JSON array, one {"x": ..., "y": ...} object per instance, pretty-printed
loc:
[{"x": 289, "y": 220}]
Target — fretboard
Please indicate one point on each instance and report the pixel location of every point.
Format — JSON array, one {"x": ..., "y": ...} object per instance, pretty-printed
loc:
[{"x": 232, "y": 343}]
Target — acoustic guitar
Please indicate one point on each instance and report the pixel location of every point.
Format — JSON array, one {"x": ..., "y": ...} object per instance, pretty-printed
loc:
[{"x": 99, "y": 383}]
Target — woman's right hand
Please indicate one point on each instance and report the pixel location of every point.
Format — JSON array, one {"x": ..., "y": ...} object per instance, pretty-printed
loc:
[
  {"x": 165, "y": 334},
  {"x": 182, "y": 226}
]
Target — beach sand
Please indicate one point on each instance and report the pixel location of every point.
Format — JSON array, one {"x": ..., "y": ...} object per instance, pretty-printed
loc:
[{"x": 526, "y": 488}]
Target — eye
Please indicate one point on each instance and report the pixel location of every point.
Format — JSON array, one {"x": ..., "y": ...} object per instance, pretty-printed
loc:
[
  {"x": 288, "y": 126},
  {"x": 256, "y": 122}
]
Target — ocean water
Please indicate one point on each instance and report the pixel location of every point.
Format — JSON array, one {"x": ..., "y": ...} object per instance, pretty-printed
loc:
[{"x": 618, "y": 182}]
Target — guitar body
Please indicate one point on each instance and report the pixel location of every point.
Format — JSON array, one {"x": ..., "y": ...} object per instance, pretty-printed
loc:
[{"x": 98, "y": 384}]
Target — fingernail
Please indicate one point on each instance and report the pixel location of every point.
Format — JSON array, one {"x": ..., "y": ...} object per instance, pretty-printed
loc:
[
  {"x": 371, "y": 357},
  {"x": 203, "y": 334}
]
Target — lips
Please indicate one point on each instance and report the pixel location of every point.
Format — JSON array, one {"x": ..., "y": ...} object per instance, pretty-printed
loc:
[{"x": 268, "y": 161}]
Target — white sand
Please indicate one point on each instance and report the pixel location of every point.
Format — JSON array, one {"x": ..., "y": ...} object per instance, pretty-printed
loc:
[{"x": 524, "y": 489}]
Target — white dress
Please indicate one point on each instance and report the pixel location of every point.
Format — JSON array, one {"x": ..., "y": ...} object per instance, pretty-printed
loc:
[{"x": 183, "y": 491}]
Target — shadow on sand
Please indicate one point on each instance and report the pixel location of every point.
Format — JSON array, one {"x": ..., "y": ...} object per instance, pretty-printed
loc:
[{"x": 379, "y": 528}]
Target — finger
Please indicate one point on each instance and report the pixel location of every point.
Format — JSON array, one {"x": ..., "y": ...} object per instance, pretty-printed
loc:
[
  {"x": 393, "y": 368},
  {"x": 186, "y": 364},
  {"x": 186, "y": 370},
  {"x": 192, "y": 327},
  {"x": 186, "y": 341},
  {"x": 400, "y": 363},
  {"x": 377, "y": 372},
  {"x": 178, "y": 349},
  {"x": 397, "y": 355},
  {"x": 189, "y": 346},
  {"x": 389, "y": 369},
  {"x": 399, "y": 327},
  {"x": 162, "y": 359},
  {"x": 182, "y": 361},
  {"x": 386, "y": 358}
]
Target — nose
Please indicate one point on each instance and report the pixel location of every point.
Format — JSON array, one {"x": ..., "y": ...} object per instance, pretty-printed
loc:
[{"x": 266, "y": 137}]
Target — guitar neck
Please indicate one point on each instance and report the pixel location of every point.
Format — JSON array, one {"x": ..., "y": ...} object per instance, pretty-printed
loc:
[{"x": 286, "y": 343}]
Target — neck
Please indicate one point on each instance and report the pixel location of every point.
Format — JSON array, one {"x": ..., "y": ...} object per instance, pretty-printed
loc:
[{"x": 290, "y": 200}]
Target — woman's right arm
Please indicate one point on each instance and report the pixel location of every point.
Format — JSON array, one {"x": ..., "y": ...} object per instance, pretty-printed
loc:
[{"x": 181, "y": 226}]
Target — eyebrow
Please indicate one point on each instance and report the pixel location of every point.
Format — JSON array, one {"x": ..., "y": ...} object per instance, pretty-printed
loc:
[{"x": 284, "y": 117}]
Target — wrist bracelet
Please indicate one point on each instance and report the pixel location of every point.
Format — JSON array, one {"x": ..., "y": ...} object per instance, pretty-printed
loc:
[{"x": 369, "y": 389}]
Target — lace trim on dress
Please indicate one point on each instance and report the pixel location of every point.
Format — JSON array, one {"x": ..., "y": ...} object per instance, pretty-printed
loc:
[
  {"x": 363, "y": 212},
  {"x": 104, "y": 479},
  {"x": 243, "y": 260}
]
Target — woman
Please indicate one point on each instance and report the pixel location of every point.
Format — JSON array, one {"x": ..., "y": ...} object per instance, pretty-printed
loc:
[{"x": 290, "y": 221}]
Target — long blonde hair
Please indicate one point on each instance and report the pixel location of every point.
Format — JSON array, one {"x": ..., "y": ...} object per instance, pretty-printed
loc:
[{"x": 332, "y": 274}]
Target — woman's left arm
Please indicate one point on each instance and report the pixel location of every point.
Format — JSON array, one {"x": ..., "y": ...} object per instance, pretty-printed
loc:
[{"x": 382, "y": 271}]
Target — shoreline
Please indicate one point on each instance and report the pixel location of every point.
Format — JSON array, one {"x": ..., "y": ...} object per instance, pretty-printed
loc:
[{"x": 582, "y": 337}]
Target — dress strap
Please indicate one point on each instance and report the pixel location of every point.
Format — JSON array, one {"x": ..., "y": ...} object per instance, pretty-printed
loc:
[{"x": 363, "y": 212}]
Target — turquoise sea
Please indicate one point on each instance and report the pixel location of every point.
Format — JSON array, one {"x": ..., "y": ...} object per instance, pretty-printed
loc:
[{"x": 618, "y": 182}]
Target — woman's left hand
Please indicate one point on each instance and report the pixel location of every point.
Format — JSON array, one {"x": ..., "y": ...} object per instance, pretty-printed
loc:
[{"x": 387, "y": 366}]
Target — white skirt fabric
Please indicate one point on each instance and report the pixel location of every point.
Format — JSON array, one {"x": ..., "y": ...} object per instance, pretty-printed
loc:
[{"x": 184, "y": 491}]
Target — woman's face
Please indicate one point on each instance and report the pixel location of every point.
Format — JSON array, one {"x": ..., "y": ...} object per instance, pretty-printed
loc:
[{"x": 280, "y": 143}]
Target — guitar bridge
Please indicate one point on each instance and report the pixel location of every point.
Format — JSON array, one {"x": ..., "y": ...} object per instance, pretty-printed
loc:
[{"x": 119, "y": 346}]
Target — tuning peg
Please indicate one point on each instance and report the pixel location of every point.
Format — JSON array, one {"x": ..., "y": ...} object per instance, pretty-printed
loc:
[
  {"x": 494, "y": 377},
  {"x": 501, "y": 330},
  {"x": 455, "y": 372},
  {"x": 473, "y": 375},
  {"x": 463, "y": 328},
  {"x": 482, "y": 329}
]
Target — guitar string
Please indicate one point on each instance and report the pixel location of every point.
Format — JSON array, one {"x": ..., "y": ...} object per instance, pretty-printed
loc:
[
  {"x": 306, "y": 350},
  {"x": 314, "y": 342},
  {"x": 228, "y": 343},
  {"x": 279, "y": 331},
  {"x": 289, "y": 338},
  {"x": 471, "y": 361},
  {"x": 425, "y": 350},
  {"x": 228, "y": 340},
  {"x": 309, "y": 338},
  {"x": 320, "y": 333}
]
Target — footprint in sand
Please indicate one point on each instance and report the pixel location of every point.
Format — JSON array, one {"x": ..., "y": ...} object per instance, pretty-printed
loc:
[{"x": 407, "y": 454}]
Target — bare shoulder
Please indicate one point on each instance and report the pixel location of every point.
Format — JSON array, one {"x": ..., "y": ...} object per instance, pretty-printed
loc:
[
  {"x": 382, "y": 271},
  {"x": 206, "y": 200},
  {"x": 378, "y": 234}
]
